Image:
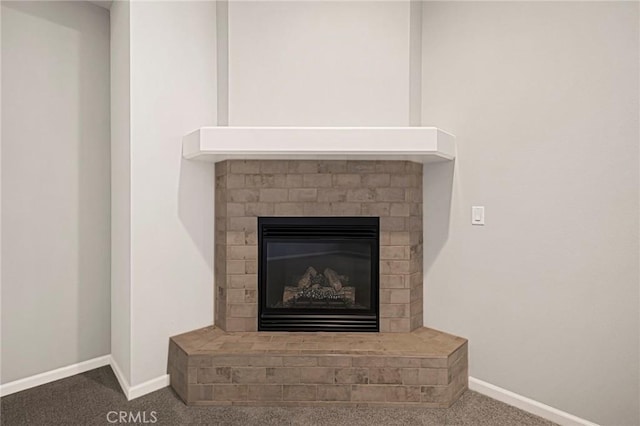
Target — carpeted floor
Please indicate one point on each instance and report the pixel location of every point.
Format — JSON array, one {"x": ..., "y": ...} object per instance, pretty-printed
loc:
[{"x": 86, "y": 399}]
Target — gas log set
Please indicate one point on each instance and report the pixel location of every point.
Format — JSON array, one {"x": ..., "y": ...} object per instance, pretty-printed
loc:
[{"x": 328, "y": 289}]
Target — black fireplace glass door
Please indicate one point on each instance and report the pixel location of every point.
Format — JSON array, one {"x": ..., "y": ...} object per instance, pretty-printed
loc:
[
  {"x": 318, "y": 273},
  {"x": 327, "y": 274}
]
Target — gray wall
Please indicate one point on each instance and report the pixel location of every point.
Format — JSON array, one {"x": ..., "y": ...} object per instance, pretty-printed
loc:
[
  {"x": 55, "y": 186},
  {"x": 543, "y": 98},
  {"x": 121, "y": 188}
]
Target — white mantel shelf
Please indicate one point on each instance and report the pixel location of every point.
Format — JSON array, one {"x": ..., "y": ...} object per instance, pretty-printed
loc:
[{"x": 419, "y": 144}]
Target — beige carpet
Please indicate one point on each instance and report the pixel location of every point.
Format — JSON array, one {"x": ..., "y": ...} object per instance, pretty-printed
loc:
[{"x": 87, "y": 399}]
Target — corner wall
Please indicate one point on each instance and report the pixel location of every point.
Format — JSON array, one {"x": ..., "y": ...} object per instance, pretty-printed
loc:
[
  {"x": 121, "y": 188},
  {"x": 55, "y": 186},
  {"x": 543, "y": 99},
  {"x": 173, "y": 92}
]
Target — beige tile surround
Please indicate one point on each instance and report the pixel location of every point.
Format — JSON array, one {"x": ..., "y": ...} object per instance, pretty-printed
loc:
[{"x": 391, "y": 190}]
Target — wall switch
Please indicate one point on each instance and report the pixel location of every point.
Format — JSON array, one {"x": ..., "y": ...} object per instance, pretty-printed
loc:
[{"x": 477, "y": 215}]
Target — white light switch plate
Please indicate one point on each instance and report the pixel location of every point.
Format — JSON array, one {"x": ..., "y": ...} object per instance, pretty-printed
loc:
[{"x": 477, "y": 215}]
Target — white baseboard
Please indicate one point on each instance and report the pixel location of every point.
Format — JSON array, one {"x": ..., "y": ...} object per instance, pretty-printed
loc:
[
  {"x": 133, "y": 392},
  {"x": 148, "y": 387},
  {"x": 53, "y": 375},
  {"x": 122, "y": 381},
  {"x": 529, "y": 405}
]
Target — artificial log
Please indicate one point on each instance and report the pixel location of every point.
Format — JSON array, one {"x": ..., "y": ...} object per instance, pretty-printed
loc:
[
  {"x": 333, "y": 278},
  {"x": 305, "y": 281},
  {"x": 346, "y": 293}
]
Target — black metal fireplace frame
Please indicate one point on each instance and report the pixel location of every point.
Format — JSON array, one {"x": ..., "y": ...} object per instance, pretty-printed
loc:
[{"x": 363, "y": 229}]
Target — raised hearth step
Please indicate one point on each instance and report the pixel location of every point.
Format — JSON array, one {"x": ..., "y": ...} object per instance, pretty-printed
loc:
[{"x": 425, "y": 367}]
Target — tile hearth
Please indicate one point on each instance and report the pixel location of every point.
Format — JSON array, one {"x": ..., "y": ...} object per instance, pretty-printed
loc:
[{"x": 425, "y": 367}]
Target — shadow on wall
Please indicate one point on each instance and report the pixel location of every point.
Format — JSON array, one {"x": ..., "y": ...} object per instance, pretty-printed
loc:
[
  {"x": 94, "y": 184},
  {"x": 196, "y": 204},
  {"x": 438, "y": 191},
  {"x": 82, "y": 142}
]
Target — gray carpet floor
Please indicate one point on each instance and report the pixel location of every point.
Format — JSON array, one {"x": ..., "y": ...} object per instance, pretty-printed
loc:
[{"x": 87, "y": 398}]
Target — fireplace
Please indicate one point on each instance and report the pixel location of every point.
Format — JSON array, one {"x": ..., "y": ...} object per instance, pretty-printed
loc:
[
  {"x": 307, "y": 245},
  {"x": 318, "y": 273}
]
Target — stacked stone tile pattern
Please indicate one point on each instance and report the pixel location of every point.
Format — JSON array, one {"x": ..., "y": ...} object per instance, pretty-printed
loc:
[
  {"x": 425, "y": 367},
  {"x": 391, "y": 190}
]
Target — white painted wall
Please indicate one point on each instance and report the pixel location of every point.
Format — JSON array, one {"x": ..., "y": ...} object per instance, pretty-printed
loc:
[
  {"x": 319, "y": 63},
  {"x": 120, "y": 189},
  {"x": 173, "y": 92},
  {"x": 543, "y": 99},
  {"x": 55, "y": 185},
  {"x": 0, "y": 191}
]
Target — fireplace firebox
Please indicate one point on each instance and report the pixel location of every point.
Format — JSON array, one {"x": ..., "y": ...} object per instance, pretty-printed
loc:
[{"x": 318, "y": 273}]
